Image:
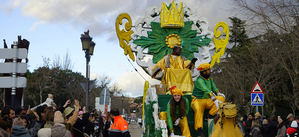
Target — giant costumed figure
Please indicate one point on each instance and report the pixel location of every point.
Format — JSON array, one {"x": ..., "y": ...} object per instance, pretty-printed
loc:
[{"x": 166, "y": 44}]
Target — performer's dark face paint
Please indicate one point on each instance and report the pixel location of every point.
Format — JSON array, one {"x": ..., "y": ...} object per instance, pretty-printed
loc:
[
  {"x": 206, "y": 74},
  {"x": 176, "y": 51}
]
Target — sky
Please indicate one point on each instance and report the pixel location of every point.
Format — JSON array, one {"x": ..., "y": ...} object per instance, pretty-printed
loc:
[{"x": 53, "y": 28}]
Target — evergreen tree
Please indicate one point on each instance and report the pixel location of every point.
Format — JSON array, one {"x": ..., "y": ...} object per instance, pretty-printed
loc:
[{"x": 238, "y": 32}]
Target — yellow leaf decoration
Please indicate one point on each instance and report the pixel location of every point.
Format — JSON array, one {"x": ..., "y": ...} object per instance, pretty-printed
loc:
[
  {"x": 146, "y": 86},
  {"x": 124, "y": 36},
  {"x": 220, "y": 43}
]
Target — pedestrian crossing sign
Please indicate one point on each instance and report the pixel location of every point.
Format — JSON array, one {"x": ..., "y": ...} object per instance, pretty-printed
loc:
[{"x": 257, "y": 99}]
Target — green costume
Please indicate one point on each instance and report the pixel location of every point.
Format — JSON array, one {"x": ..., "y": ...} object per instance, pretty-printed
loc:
[
  {"x": 169, "y": 120},
  {"x": 202, "y": 92},
  {"x": 183, "y": 123},
  {"x": 203, "y": 87}
]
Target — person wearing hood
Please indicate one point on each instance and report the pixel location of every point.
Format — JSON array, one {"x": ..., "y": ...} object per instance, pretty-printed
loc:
[
  {"x": 18, "y": 129},
  {"x": 59, "y": 129}
]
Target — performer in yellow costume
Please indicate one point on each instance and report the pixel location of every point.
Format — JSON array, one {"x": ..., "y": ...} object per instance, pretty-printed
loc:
[
  {"x": 176, "y": 70},
  {"x": 204, "y": 96},
  {"x": 226, "y": 125},
  {"x": 177, "y": 111}
]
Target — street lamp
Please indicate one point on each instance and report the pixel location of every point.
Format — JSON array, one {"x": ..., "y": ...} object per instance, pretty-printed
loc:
[
  {"x": 88, "y": 47},
  {"x": 122, "y": 104}
]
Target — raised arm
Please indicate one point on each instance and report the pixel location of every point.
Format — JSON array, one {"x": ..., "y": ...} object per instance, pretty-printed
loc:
[{"x": 74, "y": 117}]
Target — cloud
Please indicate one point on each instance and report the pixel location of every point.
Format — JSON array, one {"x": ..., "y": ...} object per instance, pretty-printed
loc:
[
  {"x": 99, "y": 15},
  {"x": 131, "y": 83}
]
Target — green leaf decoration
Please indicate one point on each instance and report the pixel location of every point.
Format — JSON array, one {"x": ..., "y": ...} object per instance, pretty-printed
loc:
[{"x": 155, "y": 42}]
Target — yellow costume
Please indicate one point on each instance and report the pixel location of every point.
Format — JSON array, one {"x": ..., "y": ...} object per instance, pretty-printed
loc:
[
  {"x": 226, "y": 125},
  {"x": 176, "y": 72},
  {"x": 203, "y": 90},
  {"x": 199, "y": 106},
  {"x": 183, "y": 124}
]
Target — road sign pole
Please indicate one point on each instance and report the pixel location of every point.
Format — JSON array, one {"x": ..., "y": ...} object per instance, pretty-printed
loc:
[
  {"x": 257, "y": 109},
  {"x": 14, "y": 76},
  {"x": 262, "y": 111},
  {"x": 104, "y": 98}
]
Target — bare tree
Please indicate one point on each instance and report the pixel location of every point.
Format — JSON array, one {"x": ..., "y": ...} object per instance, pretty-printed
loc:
[
  {"x": 281, "y": 17},
  {"x": 115, "y": 90}
]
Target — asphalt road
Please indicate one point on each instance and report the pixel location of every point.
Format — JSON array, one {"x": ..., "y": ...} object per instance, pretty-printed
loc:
[{"x": 135, "y": 129}]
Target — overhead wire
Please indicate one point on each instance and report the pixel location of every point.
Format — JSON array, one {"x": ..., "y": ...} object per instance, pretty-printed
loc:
[{"x": 136, "y": 69}]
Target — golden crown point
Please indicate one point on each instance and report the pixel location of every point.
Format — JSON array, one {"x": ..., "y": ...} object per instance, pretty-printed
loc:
[{"x": 173, "y": 17}]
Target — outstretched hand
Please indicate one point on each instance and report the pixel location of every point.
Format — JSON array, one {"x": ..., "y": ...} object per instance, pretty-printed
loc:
[
  {"x": 77, "y": 103},
  {"x": 67, "y": 103}
]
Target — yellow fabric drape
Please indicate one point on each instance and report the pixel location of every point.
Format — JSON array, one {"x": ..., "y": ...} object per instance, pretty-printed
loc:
[
  {"x": 175, "y": 72},
  {"x": 228, "y": 129},
  {"x": 199, "y": 106}
]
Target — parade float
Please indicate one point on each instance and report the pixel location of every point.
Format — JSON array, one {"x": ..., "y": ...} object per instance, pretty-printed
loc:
[{"x": 153, "y": 38}]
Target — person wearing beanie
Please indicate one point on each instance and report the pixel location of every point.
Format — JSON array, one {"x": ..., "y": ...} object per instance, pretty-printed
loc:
[
  {"x": 18, "y": 129},
  {"x": 292, "y": 130},
  {"x": 204, "y": 96},
  {"x": 177, "y": 111}
]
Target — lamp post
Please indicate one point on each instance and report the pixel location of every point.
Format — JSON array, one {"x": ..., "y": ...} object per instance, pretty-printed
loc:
[
  {"x": 122, "y": 104},
  {"x": 88, "y": 47}
]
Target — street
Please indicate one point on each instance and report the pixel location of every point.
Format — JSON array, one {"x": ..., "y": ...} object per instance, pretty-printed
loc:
[{"x": 135, "y": 129}]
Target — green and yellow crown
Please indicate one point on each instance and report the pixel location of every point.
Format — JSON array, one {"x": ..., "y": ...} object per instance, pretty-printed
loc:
[{"x": 172, "y": 17}]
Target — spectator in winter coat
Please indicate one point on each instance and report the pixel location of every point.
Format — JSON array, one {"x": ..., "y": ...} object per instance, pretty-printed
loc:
[
  {"x": 59, "y": 129},
  {"x": 266, "y": 128},
  {"x": 5, "y": 126},
  {"x": 120, "y": 127},
  {"x": 248, "y": 124},
  {"x": 290, "y": 119},
  {"x": 107, "y": 125},
  {"x": 292, "y": 130},
  {"x": 281, "y": 127},
  {"x": 18, "y": 129},
  {"x": 8, "y": 111},
  {"x": 255, "y": 130}
]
